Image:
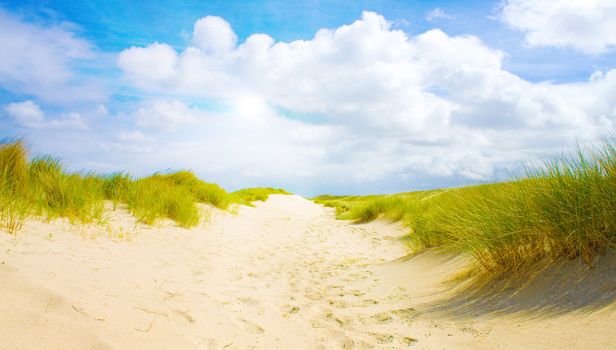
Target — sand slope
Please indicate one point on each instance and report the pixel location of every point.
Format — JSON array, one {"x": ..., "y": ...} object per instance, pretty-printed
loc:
[{"x": 282, "y": 275}]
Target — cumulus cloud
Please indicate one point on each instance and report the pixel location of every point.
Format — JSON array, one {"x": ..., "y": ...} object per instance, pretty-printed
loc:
[
  {"x": 28, "y": 114},
  {"x": 156, "y": 62},
  {"x": 128, "y": 142},
  {"x": 40, "y": 61},
  {"x": 438, "y": 13},
  {"x": 167, "y": 115},
  {"x": 365, "y": 102},
  {"x": 71, "y": 120},
  {"x": 587, "y": 25},
  {"x": 213, "y": 34}
]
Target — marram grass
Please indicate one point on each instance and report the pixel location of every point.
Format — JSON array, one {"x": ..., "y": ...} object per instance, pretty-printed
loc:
[
  {"x": 564, "y": 209},
  {"x": 155, "y": 197},
  {"x": 249, "y": 195},
  {"x": 41, "y": 187},
  {"x": 55, "y": 193},
  {"x": 13, "y": 183}
]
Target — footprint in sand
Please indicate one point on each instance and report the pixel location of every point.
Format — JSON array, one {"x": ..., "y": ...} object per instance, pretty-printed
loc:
[
  {"x": 248, "y": 300},
  {"x": 406, "y": 314},
  {"x": 383, "y": 338},
  {"x": 367, "y": 302},
  {"x": 186, "y": 316},
  {"x": 357, "y": 293},
  {"x": 340, "y": 304},
  {"x": 382, "y": 318},
  {"x": 252, "y": 327},
  {"x": 347, "y": 343},
  {"x": 341, "y": 321},
  {"x": 291, "y": 309}
]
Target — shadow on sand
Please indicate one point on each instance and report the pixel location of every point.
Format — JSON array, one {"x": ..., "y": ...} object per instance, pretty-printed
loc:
[{"x": 568, "y": 286}]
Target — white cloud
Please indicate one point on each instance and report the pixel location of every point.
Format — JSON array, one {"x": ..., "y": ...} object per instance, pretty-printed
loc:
[
  {"x": 134, "y": 136},
  {"x": 29, "y": 114},
  {"x": 167, "y": 115},
  {"x": 156, "y": 62},
  {"x": 213, "y": 34},
  {"x": 26, "y": 113},
  {"x": 101, "y": 109},
  {"x": 40, "y": 61},
  {"x": 367, "y": 103},
  {"x": 71, "y": 120},
  {"x": 129, "y": 142},
  {"x": 438, "y": 13},
  {"x": 585, "y": 25}
]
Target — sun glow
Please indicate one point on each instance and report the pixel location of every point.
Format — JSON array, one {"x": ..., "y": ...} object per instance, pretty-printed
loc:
[{"x": 250, "y": 106}]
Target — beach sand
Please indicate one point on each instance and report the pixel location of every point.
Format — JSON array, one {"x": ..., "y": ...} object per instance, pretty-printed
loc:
[{"x": 282, "y": 275}]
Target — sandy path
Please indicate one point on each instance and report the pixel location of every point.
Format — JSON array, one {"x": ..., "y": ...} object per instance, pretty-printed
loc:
[{"x": 283, "y": 275}]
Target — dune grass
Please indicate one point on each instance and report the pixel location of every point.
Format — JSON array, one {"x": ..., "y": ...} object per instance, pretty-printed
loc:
[
  {"x": 202, "y": 191},
  {"x": 13, "y": 182},
  {"x": 55, "y": 193},
  {"x": 116, "y": 187},
  {"x": 41, "y": 187},
  {"x": 249, "y": 195},
  {"x": 565, "y": 209},
  {"x": 156, "y": 197}
]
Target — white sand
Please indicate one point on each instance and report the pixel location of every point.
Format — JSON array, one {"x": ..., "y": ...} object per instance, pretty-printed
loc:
[{"x": 283, "y": 275}]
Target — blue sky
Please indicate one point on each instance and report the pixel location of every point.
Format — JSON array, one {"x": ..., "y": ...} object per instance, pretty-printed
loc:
[{"x": 389, "y": 96}]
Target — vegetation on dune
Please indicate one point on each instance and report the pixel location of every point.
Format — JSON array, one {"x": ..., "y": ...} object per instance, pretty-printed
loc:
[
  {"x": 249, "y": 195},
  {"x": 41, "y": 187},
  {"x": 55, "y": 193},
  {"x": 174, "y": 196},
  {"x": 202, "y": 191},
  {"x": 564, "y": 209},
  {"x": 13, "y": 182},
  {"x": 117, "y": 187},
  {"x": 157, "y": 197}
]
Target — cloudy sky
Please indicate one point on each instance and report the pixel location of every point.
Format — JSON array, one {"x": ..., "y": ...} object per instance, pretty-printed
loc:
[{"x": 327, "y": 96}]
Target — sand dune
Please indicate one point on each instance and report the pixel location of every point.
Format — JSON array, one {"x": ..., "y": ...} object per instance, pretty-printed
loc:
[{"x": 282, "y": 275}]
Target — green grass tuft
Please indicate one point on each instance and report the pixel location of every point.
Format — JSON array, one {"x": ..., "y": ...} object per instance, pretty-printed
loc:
[
  {"x": 156, "y": 197},
  {"x": 202, "y": 191},
  {"x": 116, "y": 187},
  {"x": 55, "y": 193},
  {"x": 249, "y": 195},
  {"x": 41, "y": 187},
  {"x": 13, "y": 183},
  {"x": 565, "y": 209}
]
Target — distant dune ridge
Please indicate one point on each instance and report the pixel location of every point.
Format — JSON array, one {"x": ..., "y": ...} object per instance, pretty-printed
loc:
[
  {"x": 170, "y": 261},
  {"x": 41, "y": 187},
  {"x": 564, "y": 209}
]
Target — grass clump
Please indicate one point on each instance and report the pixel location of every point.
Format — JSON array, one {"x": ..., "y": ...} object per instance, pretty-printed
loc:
[
  {"x": 13, "y": 182},
  {"x": 202, "y": 191},
  {"x": 55, "y": 193},
  {"x": 249, "y": 195},
  {"x": 41, "y": 187},
  {"x": 157, "y": 197},
  {"x": 565, "y": 209},
  {"x": 173, "y": 196},
  {"x": 117, "y": 187}
]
